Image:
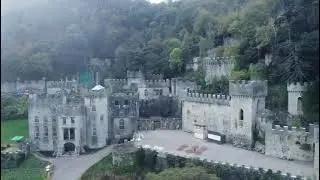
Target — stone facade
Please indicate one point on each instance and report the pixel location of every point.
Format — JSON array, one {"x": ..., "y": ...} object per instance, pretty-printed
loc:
[
  {"x": 233, "y": 116},
  {"x": 92, "y": 118},
  {"x": 288, "y": 142},
  {"x": 295, "y": 92},
  {"x": 65, "y": 113},
  {"x": 217, "y": 67},
  {"x": 154, "y": 123}
]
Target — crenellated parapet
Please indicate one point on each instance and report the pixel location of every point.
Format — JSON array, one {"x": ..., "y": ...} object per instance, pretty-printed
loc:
[
  {"x": 125, "y": 95},
  {"x": 62, "y": 84},
  {"x": 207, "y": 61},
  {"x": 120, "y": 82},
  {"x": 248, "y": 88},
  {"x": 298, "y": 86},
  {"x": 208, "y": 98},
  {"x": 157, "y": 83},
  {"x": 288, "y": 130},
  {"x": 154, "y": 77},
  {"x": 134, "y": 74}
]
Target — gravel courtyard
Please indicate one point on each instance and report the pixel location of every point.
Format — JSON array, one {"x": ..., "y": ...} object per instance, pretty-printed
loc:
[{"x": 170, "y": 140}]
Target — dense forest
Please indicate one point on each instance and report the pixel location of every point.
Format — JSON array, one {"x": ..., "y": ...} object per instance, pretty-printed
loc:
[{"x": 62, "y": 38}]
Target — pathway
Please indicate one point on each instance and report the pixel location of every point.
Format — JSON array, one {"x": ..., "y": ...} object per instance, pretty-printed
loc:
[
  {"x": 71, "y": 168},
  {"x": 170, "y": 140}
]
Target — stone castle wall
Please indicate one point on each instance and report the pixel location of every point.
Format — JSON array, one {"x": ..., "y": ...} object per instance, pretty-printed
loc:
[
  {"x": 217, "y": 67},
  {"x": 18, "y": 86},
  {"x": 286, "y": 142},
  {"x": 154, "y": 123}
]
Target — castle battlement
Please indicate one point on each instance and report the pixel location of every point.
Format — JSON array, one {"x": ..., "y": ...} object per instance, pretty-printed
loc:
[
  {"x": 134, "y": 74},
  {"x": 218, "y": 60},
  {"x": 155, "y": 77},
  {"x": 209, "y": 98},
  {"x": 130, "y": 95},
  {"x": 157, "y": 83},
  {"x": 298, "y": 86},
  {"x": 287, "y": 130},
  {"x": 115, "y": 81},
  {"x": 248, "y": 88},
  {"x": 61, "y": 84}
]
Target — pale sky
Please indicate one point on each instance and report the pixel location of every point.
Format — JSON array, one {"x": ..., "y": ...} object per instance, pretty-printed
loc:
[{"x": 156, "y": 1}]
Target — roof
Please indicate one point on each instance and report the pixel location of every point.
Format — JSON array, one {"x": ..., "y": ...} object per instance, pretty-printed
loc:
[
  {"x": 97, "y": 88},
  {"x": 17, "y": 138}
]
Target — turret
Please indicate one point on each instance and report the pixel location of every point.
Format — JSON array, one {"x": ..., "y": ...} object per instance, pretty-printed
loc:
[{"x": 295, "y": 92}]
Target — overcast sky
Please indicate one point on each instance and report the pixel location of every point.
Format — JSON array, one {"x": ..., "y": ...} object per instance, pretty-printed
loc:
[{"x": 7, "y": 5}]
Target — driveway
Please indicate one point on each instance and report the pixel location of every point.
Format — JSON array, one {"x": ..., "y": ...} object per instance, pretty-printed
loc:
[
  {"x": 170, "y": 140},
  {"x": 71, "y": 168}
]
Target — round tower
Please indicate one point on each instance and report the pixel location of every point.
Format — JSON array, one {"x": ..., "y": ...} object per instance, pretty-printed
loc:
[
  {"x": 247, "y": 101},
  {"x": 295, "y": 92}
]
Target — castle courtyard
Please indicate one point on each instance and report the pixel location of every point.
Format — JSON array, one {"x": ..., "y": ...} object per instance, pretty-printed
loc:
[{"x": 171, "y": 140}]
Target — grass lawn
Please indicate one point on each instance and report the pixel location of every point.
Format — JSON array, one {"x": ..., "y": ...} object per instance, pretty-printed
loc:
[
  {"x": 11, "y": 128},
  {"x": 31, "y": 169},
  {"x": 98, "y": 169}
]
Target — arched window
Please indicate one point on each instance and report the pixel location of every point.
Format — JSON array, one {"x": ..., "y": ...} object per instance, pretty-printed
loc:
[
  {"x": 241, "y": 114},
  {"x": 121, "y": 124},
  {"x": 241, "y": 118},
  {"x": 299, "y": 105}
]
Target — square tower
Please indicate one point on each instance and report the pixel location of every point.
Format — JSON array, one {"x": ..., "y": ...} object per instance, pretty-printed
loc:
[
  {"x": 295, "y": 93},
  {"x": 247, "y": 101}
]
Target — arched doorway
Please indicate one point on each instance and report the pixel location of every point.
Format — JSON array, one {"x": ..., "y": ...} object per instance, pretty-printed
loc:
[{"x": 69, "y": 147}]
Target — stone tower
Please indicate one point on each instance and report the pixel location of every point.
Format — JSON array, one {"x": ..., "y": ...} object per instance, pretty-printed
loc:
[
  {"x": 247, "y": 100},
  {"x": 295, "y": 92}
]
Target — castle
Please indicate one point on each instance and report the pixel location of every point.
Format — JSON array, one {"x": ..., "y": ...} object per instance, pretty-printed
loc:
[{"x": 66, "y": 117}]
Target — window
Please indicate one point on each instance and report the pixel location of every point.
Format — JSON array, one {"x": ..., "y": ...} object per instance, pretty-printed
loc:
[
  {"x": 72, "y": 134},
  {"x": 126, "y": 102},
  {"x": 299, "y": 105},
  {"x": 37, "y": 132},
  {"x": 94, "y": 131},
  {"x": 45, "y": 119},
  {"x": 241, "y": 114},
  {"x": 54, "y": 131},
  {"x": 46, "y": 131},
  {"x": 36, "y": 119},
  {"x": 93, "y": 108},
  {"x": 101, "y": 117},
  {"x": 161, "y": 91},
  {"x": 65, "y": 134},
  {"x": 72, "y": 120},
  {"x": 64, "y": 119},
  {"x": 116, "y": 102},
  {"x": 121, "y": 124},
  {"x": 54, "y": 119},
  {"x": 145, "y": 92},
  {"x": 241, "y": 118}
]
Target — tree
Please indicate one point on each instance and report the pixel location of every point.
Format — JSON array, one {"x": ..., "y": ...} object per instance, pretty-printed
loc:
[{"x": 175, "y": 60}]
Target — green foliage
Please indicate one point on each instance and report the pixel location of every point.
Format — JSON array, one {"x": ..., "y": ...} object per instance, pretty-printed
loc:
[
  {"x": 98, "y": 169},
  {"x": 13, "y": 107},
  {"x": 30, "y": 169},
  {"x": 186, "y": 173},
  {"x": 216, "y": 86},
  {"x": 257, "y": 72},
  {"x": 11, "y": 128},
  {"x": 231, "y": 50},
  {"x": 175, "y": 56},
  {"x": 311, "y": 103},
  {"x": 239, "y": 75}
]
